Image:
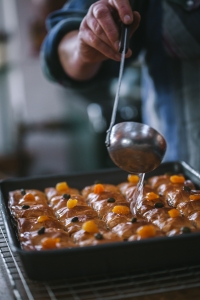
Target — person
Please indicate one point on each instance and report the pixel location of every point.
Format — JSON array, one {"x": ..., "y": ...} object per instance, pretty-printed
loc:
[{"x": 82, "y": 49}]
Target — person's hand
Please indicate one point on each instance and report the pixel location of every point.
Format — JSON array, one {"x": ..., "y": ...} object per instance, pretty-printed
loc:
[
  {"x": 81, "y": 52},
  {"x": 99, "y": 33}
]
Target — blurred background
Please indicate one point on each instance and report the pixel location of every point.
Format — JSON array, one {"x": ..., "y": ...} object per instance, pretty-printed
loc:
[{"x": 44, "y": 127}]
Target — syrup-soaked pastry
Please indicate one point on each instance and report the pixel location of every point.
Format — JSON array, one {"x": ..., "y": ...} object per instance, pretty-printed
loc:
[
  {"x": 187, "y": 208},
  {"x": 104, "y": 196},
  {"x": 34, "y": 224},
  {"x": 74, "y": 224},
  {"x": 174, "y": 195},
  {"x": 149, "y": 201},
  {"x": 143, "y": 207},
  {"x": 65, "y": 212},
  {"x": 156, "y": 181},
  {"x": 50, "y": 239},
  {"x": 173, "y": 226},
  {"x": 105, "y": 187},
  {"x": 145, "y": 232},
  {"x": 132, "y": 181},
  {"x": 125, "y": 230},
  {"x": 195, "y": 219},
  {"x": 59, "y": 202},
  {"x": 105, "y": 206},
  {"x": 88, "y": 229},
  {"x": 168, "y": 219},
  {"x": 33, "y": 211},
  {"x": 157, "y": 216},
  {"x": 183, "y": 230},
  {"x": 113, "y": 219},
  {"x": 60, "y": 189},
  {"x": 28, "y": 197},
  {"x": 176, "y": 191},
  {"x": 160, "y": 182},
  {"x": 119, "y": 214},
  {"x": 124, "y": 186},
  {"x": 105, "y": 213},
  {"x": 132, "y": 193},
  {"x": 101, "y": 238}
]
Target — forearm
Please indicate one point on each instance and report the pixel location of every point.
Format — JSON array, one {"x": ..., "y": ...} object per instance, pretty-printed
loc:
[{"x": 72, "y": 62}]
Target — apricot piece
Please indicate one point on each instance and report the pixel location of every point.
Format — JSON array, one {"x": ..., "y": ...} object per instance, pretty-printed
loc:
[
  {"x": 177, "y": 179},
  {"x": 42, "y": 219},
  {"x": 133, "y": 178},
  {"x": 28, "y": 197},
  {"x": 71, "y": 203},
  {"x": 120, "y": 209},
  {"x": 173, "y": 213},
  {"x": 151, "y": 196},
  {"x": 62, "y": 187},
  {"x": 49, "y": 243},
  {"x": 146, "y": 231},
  {"x": 98, "y": 188},
  {"x": 90, "y": 227},
  {"x": 195, "y": 197}
]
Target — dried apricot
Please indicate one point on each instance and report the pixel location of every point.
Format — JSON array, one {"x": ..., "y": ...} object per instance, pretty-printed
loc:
[
  {"x": 174, "y": 213},
  {"x": 62, "y": 187},
  {"x": 133, "y": 178},
  {"x": 146, "y": 231},
  {"x": 177, "y": 179},
  {"x": 195, "y": 197},
  {"x": 42, "y": 219},
  {"x": 28, "y": 197},
  {"x": 151, "y": 196},
  {"x": 120, "y": 209},
  {"x": 90, "y": 227},
  {"x": 71, "y": 203},
  {"x": 98, "y": 188},
  {"x": 49, "y": 243}
]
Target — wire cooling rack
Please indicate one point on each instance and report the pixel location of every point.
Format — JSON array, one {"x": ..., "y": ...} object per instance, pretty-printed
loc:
[{"x": 118, "y": 286}]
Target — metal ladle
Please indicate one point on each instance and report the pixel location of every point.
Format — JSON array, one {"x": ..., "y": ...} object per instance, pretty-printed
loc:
[{"x": 134, "y": 147}]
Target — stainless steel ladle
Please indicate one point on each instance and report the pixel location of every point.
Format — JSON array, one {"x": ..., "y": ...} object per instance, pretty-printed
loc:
[{"x": 134, "y": 147}]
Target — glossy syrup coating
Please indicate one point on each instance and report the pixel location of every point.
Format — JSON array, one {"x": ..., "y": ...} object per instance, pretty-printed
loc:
[
  {"x": 51, "y": 239},
  {"x": 106, "y": 187},
  {"x": 59, "y": 202},
  {"x": 64, "y": 217},
  {"x": 52, "y": 192}
]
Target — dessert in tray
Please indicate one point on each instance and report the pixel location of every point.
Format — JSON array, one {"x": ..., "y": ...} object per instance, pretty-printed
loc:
[{"x": 65, "y": 217}]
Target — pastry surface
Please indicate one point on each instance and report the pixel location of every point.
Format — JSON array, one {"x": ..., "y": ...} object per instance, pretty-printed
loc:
[{"x": 65, "y": 217}]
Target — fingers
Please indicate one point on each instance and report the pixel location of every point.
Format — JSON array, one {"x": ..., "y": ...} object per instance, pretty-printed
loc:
[
  {"x": 100, "y": 20},
  {"x": 99, "y": 43},
  {"x": 100, "y": 28},
  {"x": 124, "y": 10}
]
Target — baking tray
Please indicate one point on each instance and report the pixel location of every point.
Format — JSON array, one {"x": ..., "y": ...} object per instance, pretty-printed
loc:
[{"x": 138, "y": 256}]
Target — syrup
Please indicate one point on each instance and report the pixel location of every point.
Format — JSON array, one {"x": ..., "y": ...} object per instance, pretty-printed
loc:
[{"x": 138, "y": 193}]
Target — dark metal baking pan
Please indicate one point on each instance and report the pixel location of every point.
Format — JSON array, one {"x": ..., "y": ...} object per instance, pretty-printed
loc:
[{"x": 139, "y": 256}]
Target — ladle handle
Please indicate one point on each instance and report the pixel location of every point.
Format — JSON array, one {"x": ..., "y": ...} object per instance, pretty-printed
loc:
[
  {"x": 124, "y": 40},
  {"x": 123, "y": 48}
]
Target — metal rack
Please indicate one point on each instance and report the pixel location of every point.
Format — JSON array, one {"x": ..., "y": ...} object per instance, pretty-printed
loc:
[{"x": 115, "y": 287}]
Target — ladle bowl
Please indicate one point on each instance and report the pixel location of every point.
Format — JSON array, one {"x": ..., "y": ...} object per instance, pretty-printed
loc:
[{"x": 136, "y": 147}]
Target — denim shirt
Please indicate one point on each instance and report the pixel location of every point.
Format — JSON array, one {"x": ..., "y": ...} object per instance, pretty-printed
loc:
[{"x": 169, "y": 39}]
